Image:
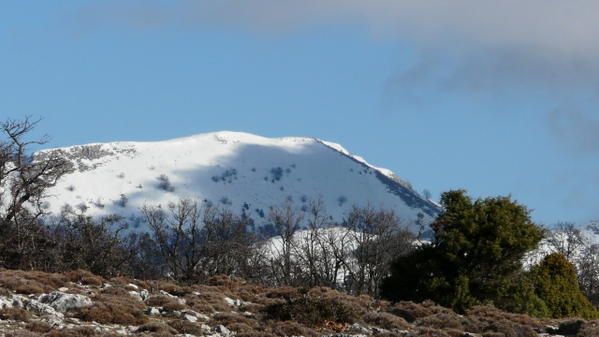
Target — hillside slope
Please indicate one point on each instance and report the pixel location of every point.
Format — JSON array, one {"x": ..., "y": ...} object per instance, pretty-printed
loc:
[{"x": 244, "y": 172}]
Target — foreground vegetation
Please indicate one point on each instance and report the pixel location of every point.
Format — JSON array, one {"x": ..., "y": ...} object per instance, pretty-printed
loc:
[{"x": 228, "y": 306}]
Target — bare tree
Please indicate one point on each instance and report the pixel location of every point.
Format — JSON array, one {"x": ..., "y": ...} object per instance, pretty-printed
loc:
[
  {"x": 379, "y": 239},
  {"x": 311, "y": 250},
  {"x": 24, "y": 178},
  {"x": 286, "y": 221},
  {"x": 195, "y": 242},
  {"x": 567, "y": 240},
  {"x": 98, "y": 245},
  {"x": 177, "y": 233},
  {"x": 588, "y": 272},
  {"x": 227, "y": 244}
]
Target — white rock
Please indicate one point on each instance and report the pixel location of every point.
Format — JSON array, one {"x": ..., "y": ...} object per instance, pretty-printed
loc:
[
  {"x": 144, "y": 294},
  {"x": 190, "y": 318},
  {"x": 136, "y": 295},
  {"x": 205, "y": 328},
  {"x": 233, "y": 302},
  {"x": 167, "y": 294},
  {"x": 222, "y": 330},
  {"x": 358, "y": 328},
  {"x": 44, "y": 310},
  {"x": 153, "y": 311},
  {"x": 64, "y": 302}
]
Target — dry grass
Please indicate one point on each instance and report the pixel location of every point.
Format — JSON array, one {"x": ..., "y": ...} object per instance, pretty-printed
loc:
[
  {"x": 186, "y": 327},
  {"x": 290, "y": 328},
  {"x": 169, "y": 287},
  {"x": 109, "y": 309},
  {"x": 441, "y": 321},
  {"x": 84, "y": 277},
  {"x": 77, "y": 332},
  {"x": 167, "y": 303},
  {"x": 38, "y": 326},
  {"x": 209, "y": 300},
  {"x": 228, "y": 319},
  {"x": 411, "y": 311},
  {"x": 157, "y": 327},
  {"x": 31, "y": 282},
  {"x": 15, "y": 314},
  {"x": 385, "y": 320}
]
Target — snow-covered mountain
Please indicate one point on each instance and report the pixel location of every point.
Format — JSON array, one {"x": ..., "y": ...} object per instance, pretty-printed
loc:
[{"x": 241, "y": 171}]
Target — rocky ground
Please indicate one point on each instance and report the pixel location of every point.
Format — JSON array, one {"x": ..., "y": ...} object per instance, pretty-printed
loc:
[{"x": 81, "y": 304}]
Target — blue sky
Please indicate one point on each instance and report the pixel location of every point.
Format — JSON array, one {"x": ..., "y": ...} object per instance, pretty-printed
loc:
[{"x": 495, "y": 100}]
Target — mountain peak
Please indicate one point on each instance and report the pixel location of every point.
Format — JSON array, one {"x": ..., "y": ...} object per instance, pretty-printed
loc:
[{"x": 237, "y": 170}]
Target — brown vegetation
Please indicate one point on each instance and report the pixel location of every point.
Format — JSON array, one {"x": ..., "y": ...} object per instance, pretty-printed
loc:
[
  {"x": 114, "y": 309},
  {"x": 262, "y": 311}
]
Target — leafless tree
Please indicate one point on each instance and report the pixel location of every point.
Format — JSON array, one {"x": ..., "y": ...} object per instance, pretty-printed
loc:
[
  {"x": 227, "y": 244},
  {"x": 24, "y": 178},
  {"x": 177, "y": 232},
  {"x": 379, "y": 239},
  {"x": 588, "y": 272},
  {"x": 200, "y": 241},
  {"x": 98, "y": 245},
  {"x": 286, "y": 221},
  {"x": 567, "y": 240}
]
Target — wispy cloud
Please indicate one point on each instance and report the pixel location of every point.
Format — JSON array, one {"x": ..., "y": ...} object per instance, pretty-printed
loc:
[
  {"x": 547, "y": 48},
  {"x": 568, "y": 27}
]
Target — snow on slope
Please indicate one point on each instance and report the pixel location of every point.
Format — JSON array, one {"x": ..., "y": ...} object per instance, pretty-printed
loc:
[{"x": 231, "y": 169}]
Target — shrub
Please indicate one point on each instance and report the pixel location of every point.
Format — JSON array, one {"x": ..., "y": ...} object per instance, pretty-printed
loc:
[
  {"x": 556, "y": 284},
  {"x": 385, "y": 320},
  {"x": 164, "y": 183},
  {"x": 122, "y": 201},
  {"x": 477, "y": 250},
  {"x": 157, "y": 327},
  {"x": 441, "y": 321},
  {"x": 411, "y": 311},
  {"x": 312, "y": 310},
  {"x": 290, "y": 328}
]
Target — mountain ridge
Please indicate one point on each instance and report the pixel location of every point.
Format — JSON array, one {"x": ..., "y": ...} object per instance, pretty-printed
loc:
[{"x": 243, "y": 171}]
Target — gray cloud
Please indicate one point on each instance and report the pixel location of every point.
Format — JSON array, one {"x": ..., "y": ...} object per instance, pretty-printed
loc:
[
  {"x": 575, "y": 129},
  {"x": 556, "y": 26}
]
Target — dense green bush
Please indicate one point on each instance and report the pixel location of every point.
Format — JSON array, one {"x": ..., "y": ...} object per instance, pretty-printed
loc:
[
  {"x": 474, "y": 257},
  {"x": 556, "y": 285}
]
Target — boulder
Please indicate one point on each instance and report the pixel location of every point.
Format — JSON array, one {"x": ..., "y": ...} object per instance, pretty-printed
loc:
[{"x": 63, "y": 302}]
